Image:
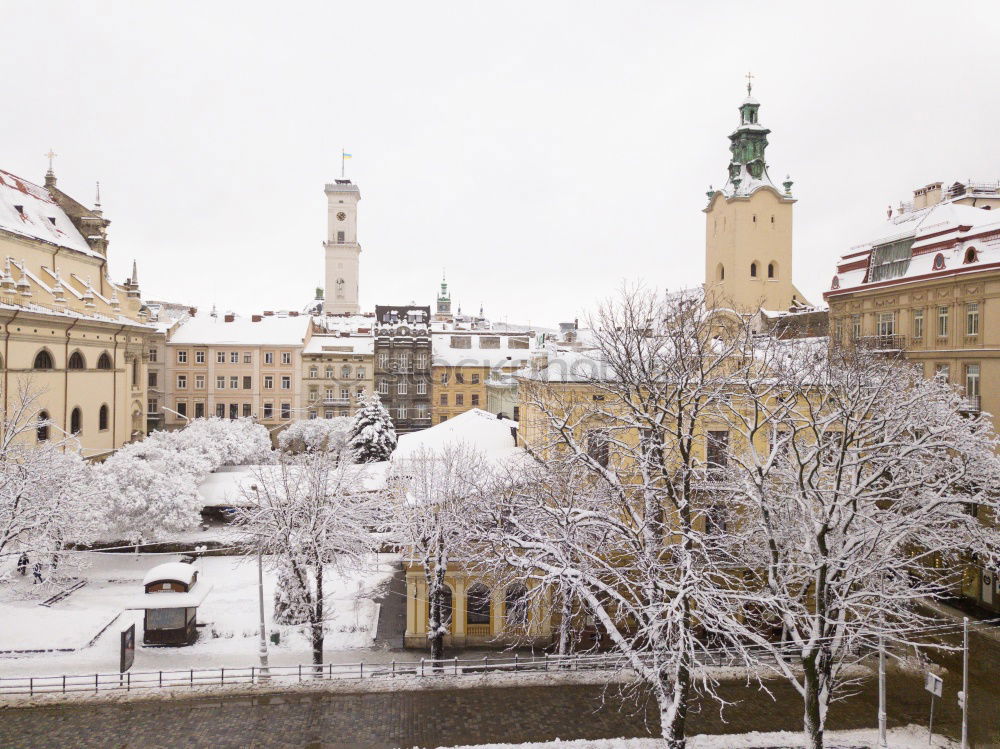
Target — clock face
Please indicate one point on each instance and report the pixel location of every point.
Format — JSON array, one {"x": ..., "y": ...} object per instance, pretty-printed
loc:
[{"x": 341, "y": 216}]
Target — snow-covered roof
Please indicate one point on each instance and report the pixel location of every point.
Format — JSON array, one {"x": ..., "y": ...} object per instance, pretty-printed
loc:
[
  {"x": 567, "y": 365},
  {"x": 179, "y": 571},
  {"x": 336, "y": 344},
  {"x": 345, "y": 323},
  {"x": 947, "y": 229},
  {"x": 269, "y": 330},
  {"x": 480, "y": 429},
  {"x": 225, "y": 487},
  {"x": 444, "y": 354},
  {"x": 28, "y": 210}
]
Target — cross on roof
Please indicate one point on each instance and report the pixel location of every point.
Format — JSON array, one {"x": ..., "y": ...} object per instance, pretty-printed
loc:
[
  {"x": 51, "y": 155},
  {"x": 749, "y": 77}
]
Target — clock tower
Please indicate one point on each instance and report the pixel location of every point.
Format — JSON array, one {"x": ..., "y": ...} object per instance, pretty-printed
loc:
[{"x": 342, "y": 249}]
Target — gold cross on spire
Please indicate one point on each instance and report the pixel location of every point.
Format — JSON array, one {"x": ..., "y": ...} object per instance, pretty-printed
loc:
[
  {"x": 51, "y": 155},
  {"x": 749, "y": 77}
]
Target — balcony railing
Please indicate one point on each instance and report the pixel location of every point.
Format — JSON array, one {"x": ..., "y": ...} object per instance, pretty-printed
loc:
[
  {"x": 336, "y": 401},
  {"x": 882, "y": 342},
  {"x": 971, "y": 404}
]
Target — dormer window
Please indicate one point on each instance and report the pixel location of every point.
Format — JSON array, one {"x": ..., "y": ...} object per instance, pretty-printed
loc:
[
  {"x": 970, "y": 255},
  {"x": 20, "y": 211},
  {"x": 938, "y": 262},
  {"x": 52, "y": 220}
]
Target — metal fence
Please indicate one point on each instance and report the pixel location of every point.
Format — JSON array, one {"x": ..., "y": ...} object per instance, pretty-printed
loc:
[{"x": 285, "y": 675}]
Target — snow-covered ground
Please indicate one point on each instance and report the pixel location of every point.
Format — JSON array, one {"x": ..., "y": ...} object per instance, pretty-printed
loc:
[
  {"x": 230, "y": 615},
  {"x": 907, "y": 737}
]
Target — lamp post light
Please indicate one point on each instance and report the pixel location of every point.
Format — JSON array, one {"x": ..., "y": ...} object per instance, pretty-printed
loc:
[{"x": 265, "y": 672}]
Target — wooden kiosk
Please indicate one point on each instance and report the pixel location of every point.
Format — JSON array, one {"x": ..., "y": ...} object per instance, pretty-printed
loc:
[{"x": 170, "y": 601}]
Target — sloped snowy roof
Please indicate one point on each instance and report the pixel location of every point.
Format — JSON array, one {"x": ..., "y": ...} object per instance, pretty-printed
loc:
[
  {"x": 179, "y": 571},
  {"x": 28, "y": 210},
  {"x": 944, "y": 224},
  {"x": 271, "y": 330},
  {"x": 333, "y": 344},
  {"x": 480, "y": 429}
]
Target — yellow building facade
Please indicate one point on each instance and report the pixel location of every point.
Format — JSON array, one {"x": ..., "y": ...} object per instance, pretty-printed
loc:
[{"x": 77, "y": 340}]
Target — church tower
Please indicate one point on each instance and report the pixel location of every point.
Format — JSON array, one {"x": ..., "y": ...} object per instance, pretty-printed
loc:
[
  {"x": 748, "y": 227},
  {"x": 342, "y": 249},
  {"x": 443, "y": 309}
]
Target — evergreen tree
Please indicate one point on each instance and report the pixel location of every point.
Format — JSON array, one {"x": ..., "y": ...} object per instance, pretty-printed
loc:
[{"x": 372, "y": 437}]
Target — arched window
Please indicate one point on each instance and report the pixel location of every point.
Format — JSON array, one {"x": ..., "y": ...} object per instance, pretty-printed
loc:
[
  {"x": 102, "y": 418},
  {"x": 43, "y": 360},
  {"x": 970, "y": 255},
  {"x": 314, "y": 371},
  {"x": 42, "y": 430},
  {"x": 753, "y": 270},
  {"x": 477, "y": 605},
  {"x": 722, "y": 272},
  {"x": 329, "y": 373},
  {"x": 76, "y": 361},
  {"x": 104, "y": 361},
  {"x": 771, "y": 272},
  {"x": 75, "y": 421},
  {"x": 345, "y": 371},
  {"x": 516, "y": 605}
]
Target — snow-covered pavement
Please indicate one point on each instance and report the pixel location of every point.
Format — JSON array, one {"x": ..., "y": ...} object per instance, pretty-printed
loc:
[{"x": 230, "y": 615}]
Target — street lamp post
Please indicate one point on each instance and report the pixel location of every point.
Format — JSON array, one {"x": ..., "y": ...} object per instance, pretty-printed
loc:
[{"x": 265, "y": 672}]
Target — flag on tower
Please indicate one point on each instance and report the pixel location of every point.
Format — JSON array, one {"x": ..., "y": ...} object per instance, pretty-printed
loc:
[{"x": 347, "y": 155}]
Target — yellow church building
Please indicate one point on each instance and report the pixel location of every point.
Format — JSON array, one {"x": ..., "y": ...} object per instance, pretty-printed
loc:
[{"x": 71, "y": 336}]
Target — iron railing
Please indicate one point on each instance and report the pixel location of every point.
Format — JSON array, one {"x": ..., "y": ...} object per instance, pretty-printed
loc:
[{"x": 285, "y": 675}]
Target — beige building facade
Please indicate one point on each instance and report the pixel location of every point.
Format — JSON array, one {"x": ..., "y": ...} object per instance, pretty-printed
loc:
[
  {"x": 337, "y": 372},
  {"x": 232, "y": 367},
  {"x": 925, "y": 285},
  {"x": 71, "y": 336}
]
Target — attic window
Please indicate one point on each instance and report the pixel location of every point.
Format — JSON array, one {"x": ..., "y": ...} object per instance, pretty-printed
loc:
[
  {"x": 20, "y": 210},
  {"x": 52, "y": 220},
  {"x": 939, "y": 262},
  {"x": 970, "y": 255},
  {"x": 890, "y": 260}
]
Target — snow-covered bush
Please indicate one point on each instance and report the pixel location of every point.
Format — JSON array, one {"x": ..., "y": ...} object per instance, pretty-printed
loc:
[
  {"x": 313, "y": 435},
  {"x": 151, "y": 487},
  {"x": 372, "y": 438}
]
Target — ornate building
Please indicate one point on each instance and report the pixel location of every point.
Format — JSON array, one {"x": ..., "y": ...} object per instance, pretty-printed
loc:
[
  {"x": 71, "y": 336},
  {"x": 403, "y": 364},
  {"x": 342, "y": 249},
  {"x": 443, "y": 309},
  {"x": 748, "y": 227}
]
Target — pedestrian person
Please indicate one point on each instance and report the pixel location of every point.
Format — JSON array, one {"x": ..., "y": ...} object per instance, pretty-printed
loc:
[
  {"x": 37, "y": 572},
  {"x": 22, "y": 563}
]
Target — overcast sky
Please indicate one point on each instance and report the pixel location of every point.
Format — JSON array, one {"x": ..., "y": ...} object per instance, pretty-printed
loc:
[{"x": 542, "y": 152}]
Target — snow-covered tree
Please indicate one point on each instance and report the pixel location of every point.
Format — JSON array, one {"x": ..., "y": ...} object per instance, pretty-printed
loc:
[
  {"x": 237, "y": 441},
  {"x": 290, "y": 600},
  {"x": 311, "y": 435},
  {"x": 310, "y": 514},
  {"x": 863, "y": 490},
  {"x": 621, "y": 513},
  {"x": 48, "y": 496},
  {"x": 436, "y": 496},
  {"x": 372, "y": 437}
]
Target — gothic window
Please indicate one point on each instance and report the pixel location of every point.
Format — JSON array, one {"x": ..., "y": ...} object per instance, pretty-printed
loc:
[
  {"x": 75, "y": 421},
  {"x": 104, "y": 361},
  {"x": 102, "y": 417},
  {"x": 753, "y": 270},
  {"x": 76, "y": 361},
  {"x": 771, "y": 271},
  {"x": 43, "y": 360}
]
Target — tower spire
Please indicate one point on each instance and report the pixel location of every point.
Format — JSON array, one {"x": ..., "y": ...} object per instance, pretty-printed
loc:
[{"x": 50, "y": 175}]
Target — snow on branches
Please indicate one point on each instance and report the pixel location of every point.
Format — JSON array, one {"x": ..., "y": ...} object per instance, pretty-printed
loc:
[
  {"x": 372, "y": 437},
  {"x": 312, "y": 435},
  {"x": 151, "y": 487}
]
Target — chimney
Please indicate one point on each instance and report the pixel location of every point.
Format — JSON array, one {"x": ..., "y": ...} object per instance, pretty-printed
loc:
[
  {"x": 192, "y": 311},
  {"x": 294, "y": 313},
  {"x": 229, "y": 317},
  {"x": 256, "y": 318},
  {"x": 268, "y": 313}
]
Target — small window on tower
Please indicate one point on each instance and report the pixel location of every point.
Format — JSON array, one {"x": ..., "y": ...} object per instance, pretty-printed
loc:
[{"x": 340, "y": 237}]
